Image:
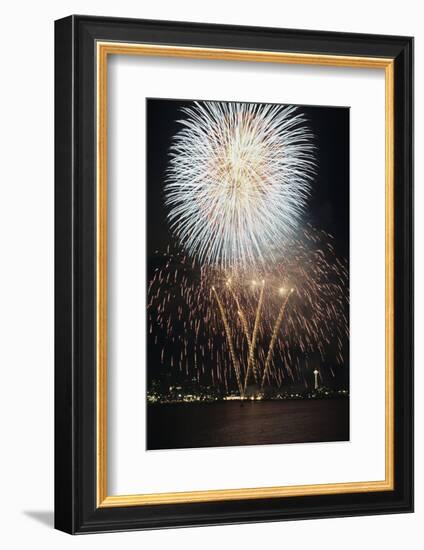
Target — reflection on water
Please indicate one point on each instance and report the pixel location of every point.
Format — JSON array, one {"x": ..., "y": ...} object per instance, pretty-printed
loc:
[{"x": 185, "y": 425}]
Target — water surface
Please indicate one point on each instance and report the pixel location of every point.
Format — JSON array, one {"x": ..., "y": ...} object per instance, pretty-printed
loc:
[{"x": 224, "y": 423}]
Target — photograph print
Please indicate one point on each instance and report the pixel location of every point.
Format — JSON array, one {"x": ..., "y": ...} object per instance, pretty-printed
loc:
[{"x": 247, "y": 273}]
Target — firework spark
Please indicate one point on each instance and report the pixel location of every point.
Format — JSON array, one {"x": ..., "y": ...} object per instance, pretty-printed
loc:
[
  {"x": 270, "y": 333},
  {"x": 238, "y": 181}
]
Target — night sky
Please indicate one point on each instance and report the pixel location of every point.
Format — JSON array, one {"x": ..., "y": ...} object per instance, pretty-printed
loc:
[{"x": 328, "y": 207}]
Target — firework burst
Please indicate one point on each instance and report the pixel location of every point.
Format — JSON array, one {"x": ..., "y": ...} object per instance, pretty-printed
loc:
[
  {"x": 238, "y": 181},
  {"x": 252, "y": 326}
]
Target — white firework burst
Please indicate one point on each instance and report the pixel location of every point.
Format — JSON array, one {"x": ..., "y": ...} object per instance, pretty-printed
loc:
[{"x": 238, "y": 180}]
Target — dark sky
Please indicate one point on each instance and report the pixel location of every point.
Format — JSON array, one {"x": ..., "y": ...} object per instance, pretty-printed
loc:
[{"x": 328, "y": 208}]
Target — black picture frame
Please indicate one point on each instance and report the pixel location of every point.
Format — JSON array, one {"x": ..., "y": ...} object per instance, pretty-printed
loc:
[{"x": 76, "y": 509}]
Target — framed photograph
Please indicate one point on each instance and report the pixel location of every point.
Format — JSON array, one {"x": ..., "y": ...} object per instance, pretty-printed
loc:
[{"x": 234, "y": 274}]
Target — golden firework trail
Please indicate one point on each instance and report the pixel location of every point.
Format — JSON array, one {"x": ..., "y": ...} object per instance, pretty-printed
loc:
[
  {"x": 277, "y": 327},
  {"x": 230, "y": 341},
  {"x": 251, "y": 362},
  {"x": 243, "y": 321}
]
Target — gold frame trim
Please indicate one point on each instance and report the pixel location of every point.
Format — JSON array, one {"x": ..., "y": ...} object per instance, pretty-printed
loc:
[{"x": 103, "y": 50}]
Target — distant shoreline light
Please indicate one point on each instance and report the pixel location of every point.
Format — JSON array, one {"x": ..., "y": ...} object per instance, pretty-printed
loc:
[{"x": 321, "y": 393}]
